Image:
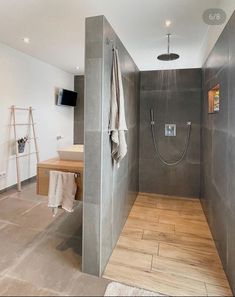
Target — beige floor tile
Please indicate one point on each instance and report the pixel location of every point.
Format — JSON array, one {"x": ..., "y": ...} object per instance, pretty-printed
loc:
[
  {"x": 14, "y": 287},
  {"x": 39, "y": 217},
  {"x": 51, "y": 264},
  {"x": 87, "y": 285},
  {"x": 7, "y": 193},
  {"x": 3, "y": 224},
  {"x": 15, "y": 241},
  {"x": 11, "y": 208},
  {"x": 69, "y": 224},
  {"x": 29, "y": 193}
]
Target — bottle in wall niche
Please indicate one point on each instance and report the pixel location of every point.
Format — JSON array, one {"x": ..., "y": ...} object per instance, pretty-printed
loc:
[{"x": 216, "y": 101}]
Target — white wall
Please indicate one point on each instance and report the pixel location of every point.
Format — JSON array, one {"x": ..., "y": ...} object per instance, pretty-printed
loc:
[{"x": 26, "y": 81}]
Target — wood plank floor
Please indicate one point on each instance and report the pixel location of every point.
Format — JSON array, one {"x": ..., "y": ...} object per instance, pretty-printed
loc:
[{"x": 166, "y": 246}]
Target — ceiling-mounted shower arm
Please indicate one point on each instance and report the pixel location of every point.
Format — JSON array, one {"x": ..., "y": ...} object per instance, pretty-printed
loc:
[
  {"x": 168, "y": 56},
  {"x": 168, "y": 43}
]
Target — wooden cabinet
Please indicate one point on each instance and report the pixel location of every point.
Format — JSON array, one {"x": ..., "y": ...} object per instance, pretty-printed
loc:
[{"x": 43, "y": 173}]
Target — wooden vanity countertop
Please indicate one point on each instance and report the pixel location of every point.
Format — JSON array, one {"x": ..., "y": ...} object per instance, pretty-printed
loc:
[{"x": 58, "y": 164}]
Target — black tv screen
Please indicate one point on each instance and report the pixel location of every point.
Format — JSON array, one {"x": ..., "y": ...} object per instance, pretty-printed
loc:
[{"x": 66, "y": 97}]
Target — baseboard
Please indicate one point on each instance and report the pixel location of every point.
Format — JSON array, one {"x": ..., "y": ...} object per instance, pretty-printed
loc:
[
  {"x": 168, "y": 196},
  {"x": 23, "y": 183}
]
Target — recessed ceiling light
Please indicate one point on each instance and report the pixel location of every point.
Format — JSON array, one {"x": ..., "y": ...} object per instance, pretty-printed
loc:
[
  {"x": 26, "y": 40},
  {"x": 168, "y": 23},
  {"x": 77, "y": 67}
]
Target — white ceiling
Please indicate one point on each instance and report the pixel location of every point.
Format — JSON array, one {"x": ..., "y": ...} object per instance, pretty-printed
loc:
[{"x": 56, "y": 29}]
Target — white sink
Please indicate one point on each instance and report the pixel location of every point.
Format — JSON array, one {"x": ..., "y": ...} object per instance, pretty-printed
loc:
[{"x": 74, "y": 153}]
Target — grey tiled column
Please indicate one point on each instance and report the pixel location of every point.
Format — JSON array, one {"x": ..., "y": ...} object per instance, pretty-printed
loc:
[{"x": 92, "y": 123}]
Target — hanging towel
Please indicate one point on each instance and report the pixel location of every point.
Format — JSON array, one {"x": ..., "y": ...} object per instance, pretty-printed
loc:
[
  {"x": 117, "y": 121},
  {"x": 62, "y": 191}
]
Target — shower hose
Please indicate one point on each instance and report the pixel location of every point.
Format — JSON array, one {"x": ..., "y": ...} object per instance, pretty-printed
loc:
[{"x": 169, "y": 163}]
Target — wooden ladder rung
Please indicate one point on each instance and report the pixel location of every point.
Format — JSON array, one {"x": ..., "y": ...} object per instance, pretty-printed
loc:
[
  {"x": 25, "y": 155},
  {"x": 31, "y": 124},
  {"x": 19, "y": 108}
]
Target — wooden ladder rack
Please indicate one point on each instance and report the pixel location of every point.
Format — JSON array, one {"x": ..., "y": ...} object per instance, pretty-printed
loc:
[{"x": 30, "y": 124}]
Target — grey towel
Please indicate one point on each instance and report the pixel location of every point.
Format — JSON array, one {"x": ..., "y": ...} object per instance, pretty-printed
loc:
[{"x": 117, "y": 121}]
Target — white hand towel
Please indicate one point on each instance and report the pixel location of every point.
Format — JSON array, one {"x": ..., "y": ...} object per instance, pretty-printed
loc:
[
  {"x": 62, "y": 191},
  {"x": 117, "y": 121}
]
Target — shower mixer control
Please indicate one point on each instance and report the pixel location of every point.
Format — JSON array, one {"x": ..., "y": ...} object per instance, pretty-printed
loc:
[{"x": 170, "y": 130}]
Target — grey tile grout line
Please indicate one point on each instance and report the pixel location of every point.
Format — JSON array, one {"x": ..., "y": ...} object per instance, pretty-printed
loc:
[
  {"x": 31, "y": 208},
  {"x": 4, "y": 198},
  {"x": 14, "y": 196}
]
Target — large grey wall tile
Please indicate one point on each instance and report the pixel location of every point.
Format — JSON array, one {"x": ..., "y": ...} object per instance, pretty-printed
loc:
[
  {"x": 91, "y": 238},
  {"x": 218, "y": 147},
  {"x": 175, "y": 97},
  {"x": 231, "y": 250},
  {"x": 93, "y": 91}
]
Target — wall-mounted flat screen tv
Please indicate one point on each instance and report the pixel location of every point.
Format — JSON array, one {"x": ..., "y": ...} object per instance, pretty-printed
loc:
[{"x": 66, "y": 97}]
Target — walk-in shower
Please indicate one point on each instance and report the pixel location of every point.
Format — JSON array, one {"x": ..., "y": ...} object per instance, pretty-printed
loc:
[{"x": 170, "y": 130}]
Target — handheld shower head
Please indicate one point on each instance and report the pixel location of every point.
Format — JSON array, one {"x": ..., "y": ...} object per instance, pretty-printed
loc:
[{"x": 152, "y": 116}]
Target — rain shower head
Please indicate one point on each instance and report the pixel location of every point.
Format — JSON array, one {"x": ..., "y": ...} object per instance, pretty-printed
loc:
[{"x": 169, "y": 56}]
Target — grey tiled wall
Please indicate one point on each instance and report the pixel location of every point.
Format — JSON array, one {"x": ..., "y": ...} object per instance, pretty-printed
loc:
[
  {"x": 218, "y": 149},
  {"x": 109, "y": 192},
  {"x": 79, "y": 110},
  {"x": 175, "y": 96}
]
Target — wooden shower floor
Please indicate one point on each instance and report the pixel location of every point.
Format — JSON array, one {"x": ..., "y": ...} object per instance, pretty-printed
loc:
[{"x": 166, "y": 246}]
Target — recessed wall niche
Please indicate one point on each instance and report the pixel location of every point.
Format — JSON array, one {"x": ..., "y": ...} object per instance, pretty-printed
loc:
[{"x": 214, "y": 99}]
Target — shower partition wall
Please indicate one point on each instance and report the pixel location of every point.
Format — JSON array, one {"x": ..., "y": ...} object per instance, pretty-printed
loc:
[{"x": 109, "y": 193}]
